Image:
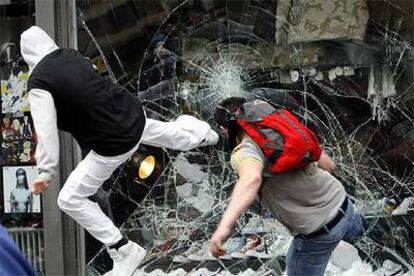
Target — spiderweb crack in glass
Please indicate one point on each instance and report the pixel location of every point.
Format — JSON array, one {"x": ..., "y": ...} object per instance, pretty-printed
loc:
[{"x": 213, "y": 50}]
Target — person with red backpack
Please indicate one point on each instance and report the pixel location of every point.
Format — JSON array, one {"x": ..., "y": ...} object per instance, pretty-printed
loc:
[{"x": 280, "y": 159}]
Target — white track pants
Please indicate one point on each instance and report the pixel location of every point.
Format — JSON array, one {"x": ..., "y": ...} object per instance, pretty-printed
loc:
[{"x": 183, "y": 134}]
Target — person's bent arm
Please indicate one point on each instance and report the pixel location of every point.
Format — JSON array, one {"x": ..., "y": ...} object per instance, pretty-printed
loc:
[
  {"x": 185, "y": 133},
  {"x": 243, "y": 195},
  {"x": 43, "y": 111}
]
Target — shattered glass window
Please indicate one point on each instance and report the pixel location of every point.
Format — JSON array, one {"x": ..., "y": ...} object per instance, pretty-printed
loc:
[{"x": 346, "y": 64}]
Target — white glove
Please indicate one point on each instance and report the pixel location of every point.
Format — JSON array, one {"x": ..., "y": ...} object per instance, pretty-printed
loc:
[
  {"x": 199, "y": 130},
  {"x": 211, "y": 139}
]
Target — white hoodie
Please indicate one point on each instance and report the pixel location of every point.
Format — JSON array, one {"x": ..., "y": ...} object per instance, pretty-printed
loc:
[{"x": 35, "y": 44}]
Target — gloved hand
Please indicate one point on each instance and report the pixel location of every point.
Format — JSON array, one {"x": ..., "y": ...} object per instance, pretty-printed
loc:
[
  {"x": 211, "y": 138},
  {"x": 199, "y": 130}
]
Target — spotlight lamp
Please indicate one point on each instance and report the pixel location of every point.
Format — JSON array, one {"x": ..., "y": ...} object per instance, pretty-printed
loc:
[
  {"x": 146, "y": 167},
  {"x": 141, "y": 165}
]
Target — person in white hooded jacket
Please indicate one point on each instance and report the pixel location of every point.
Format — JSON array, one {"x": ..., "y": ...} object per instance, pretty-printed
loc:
[{"x": 66, "y": 93}]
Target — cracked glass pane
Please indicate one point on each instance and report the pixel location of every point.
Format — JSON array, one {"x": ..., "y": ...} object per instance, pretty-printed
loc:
[{"x": 344, "y": 66}]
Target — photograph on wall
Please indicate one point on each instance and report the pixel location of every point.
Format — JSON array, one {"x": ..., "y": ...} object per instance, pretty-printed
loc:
[
  {"x": 17, "y": 195},
  {"x": 18, "y": 139},
  {"x": 14, "y": 95}
]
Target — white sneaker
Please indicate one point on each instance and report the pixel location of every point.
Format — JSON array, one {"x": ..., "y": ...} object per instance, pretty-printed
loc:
[{"x": 127, "y": 258}]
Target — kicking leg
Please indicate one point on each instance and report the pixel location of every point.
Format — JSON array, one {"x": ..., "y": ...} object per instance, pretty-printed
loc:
[{"x": 83, "y": 182}]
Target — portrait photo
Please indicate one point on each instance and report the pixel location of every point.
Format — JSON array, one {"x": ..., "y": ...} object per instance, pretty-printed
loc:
[{"x": 17, "y": 195}]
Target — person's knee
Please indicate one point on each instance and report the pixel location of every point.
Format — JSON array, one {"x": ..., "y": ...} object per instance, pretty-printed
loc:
[
  {"x": 66, "y": 200},
  {"x": 62, "y": 201}
]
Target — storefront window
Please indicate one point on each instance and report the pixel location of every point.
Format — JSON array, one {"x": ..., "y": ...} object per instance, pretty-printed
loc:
[
  {"x": 20, "y": 210},
  {"x": 348, "y": 65}
]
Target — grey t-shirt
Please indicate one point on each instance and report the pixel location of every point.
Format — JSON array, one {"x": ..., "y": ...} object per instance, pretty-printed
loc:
[{"x": 302, "y": 200}]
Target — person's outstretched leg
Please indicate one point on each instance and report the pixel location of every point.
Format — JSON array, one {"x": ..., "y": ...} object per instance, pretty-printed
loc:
[{"x": 83, "y": 182}]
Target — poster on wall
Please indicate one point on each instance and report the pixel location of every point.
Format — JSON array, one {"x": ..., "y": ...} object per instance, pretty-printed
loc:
[
  {"x": 14, "y": 95},
  {"x": 17, "y": 196},
  {"x": 18, "y": 139}
]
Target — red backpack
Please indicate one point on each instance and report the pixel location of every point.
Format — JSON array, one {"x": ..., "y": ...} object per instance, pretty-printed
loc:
[{"x": 286, "y": 142}]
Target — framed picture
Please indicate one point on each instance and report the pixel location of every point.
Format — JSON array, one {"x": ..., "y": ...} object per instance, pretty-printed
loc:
[
  {"x": 17, "y": 195},
  {"x": 18, "y": 139}
]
